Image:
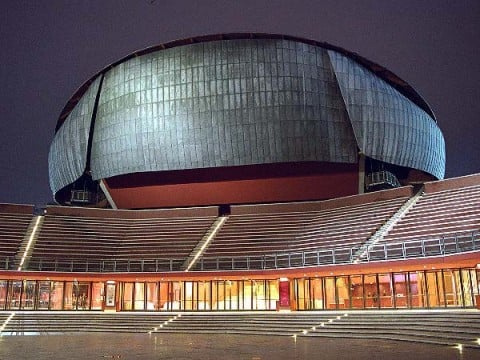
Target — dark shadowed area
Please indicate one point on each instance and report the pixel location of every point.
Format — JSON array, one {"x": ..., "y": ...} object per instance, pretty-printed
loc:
[
  {"x": 181, "y": 346},
  {"x": 50, "y": 47}
]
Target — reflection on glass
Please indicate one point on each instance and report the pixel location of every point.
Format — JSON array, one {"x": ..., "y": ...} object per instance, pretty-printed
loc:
[
  {"x": 139, "y": 296},
  {"x": 434, "y": 299},
  {"x": 164, "y": 295},
  {"x": 316, "y": 289},
  {"x": 203, "y": 296},
  {"x": 152, "y": 296},
  {"x": 3, "y": 294},
  {"x": 97, "y": 295},
  {"x": 43, "y": 300},
  {"x": 56, "y": 296},
  {"x": 28, "y": 295},
  {"x": 302, "y": 289},
  {"x": 371, "y": 291},
  {"x": 14, "y": 292},
  {"x": 356, "y": 292},
  {"x": 415, "y": 299},
  {"x": 422, "y": 289},
  {"x": 330, "y": 293},
  {"x": 467, "y": 288},
  {"x": 401, "y": 294},
  {"x": 343, "y": 292},
  {"x": 127, "y": 300},
  {"x": 385, "y": 287}
]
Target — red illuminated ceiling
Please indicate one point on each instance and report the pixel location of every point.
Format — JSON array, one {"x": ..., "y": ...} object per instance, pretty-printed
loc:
[{"x": 234, "y": 185}]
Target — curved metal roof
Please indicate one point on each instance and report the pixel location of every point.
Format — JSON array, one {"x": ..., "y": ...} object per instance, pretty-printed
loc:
[{"x": 402, "y": 86}]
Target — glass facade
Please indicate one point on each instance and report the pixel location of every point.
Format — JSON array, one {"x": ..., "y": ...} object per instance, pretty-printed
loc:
[{"x": 415, "y": 289}]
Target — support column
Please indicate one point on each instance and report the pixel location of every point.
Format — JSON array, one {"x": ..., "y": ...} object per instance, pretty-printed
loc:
[{"x": 361, "y": 173}]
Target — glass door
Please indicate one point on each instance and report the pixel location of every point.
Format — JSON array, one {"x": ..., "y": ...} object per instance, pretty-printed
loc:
[
  {"x": 97, "y": 296},
  {"x": 385, "y": 294},
  {"x": 356, "y": 291},
  {"x": 401, "y": 290},
  {"x": 43, "y": 298},
  {"x": 14, "y": 294},
  {"x": 28, "y": 294}
]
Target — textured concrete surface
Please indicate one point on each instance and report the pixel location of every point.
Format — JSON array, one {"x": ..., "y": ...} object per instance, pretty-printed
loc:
[{"x": 180, "y": 346}]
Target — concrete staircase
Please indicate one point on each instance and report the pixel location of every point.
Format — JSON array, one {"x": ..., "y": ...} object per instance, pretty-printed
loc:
[
  {"x": 378, "y": 236},
  {"x": 44, "y": 323},
  {"x": 442, "y": 327},
  {"x": 203, "y": 243},
  {"x": 25, "y": 249}
]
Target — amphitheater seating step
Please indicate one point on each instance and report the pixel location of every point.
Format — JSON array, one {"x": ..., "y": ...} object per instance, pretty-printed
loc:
[{"x": 443, "y": 327}]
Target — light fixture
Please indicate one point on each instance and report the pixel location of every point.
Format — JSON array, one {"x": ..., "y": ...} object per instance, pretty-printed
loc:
[
  {"x": 5, "y": 323},
  {"x": 207, "y": 241},
  {"x": 30, "y": 240}
]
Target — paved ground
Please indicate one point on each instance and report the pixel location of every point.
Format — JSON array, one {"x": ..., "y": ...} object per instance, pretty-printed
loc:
[{"x": 180, "y": 346}]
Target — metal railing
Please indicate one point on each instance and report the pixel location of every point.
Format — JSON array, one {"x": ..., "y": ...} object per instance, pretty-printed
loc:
[
  {"x": 458, "y": 243},
  {"x": 381, "y": 178}
]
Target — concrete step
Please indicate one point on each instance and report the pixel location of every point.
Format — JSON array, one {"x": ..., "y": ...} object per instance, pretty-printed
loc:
[{"x": 441, "y": 327}]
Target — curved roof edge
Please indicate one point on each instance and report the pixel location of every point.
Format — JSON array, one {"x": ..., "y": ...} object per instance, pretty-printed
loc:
[{"x": 402, "y": 86}]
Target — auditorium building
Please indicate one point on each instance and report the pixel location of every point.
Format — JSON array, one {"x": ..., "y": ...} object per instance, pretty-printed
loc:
[{"x": 245, "y": 172}]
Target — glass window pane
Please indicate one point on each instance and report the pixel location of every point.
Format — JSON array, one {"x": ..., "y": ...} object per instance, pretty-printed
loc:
[
  {"x": 467, "y": 288},
  {"x": 300, "y": 290},
  {"x": 386, "y": 290},
  {"x": 452, "y": 288},
  {"x": 316, "y": 297},
  {"x": 189, "y": 290},
  {"x": 69, "y": 301},
  {"x": 273, "y": 293},
  {"x": 127, "y": 298},
  {"x": 43, "y": 299},
  {"x": 164, "y": 295},
  {"x": 3, "y": 293},
  {"x": 139, "y": 296},
  {"x": 28, "y": 295},
  {"x": 330, "y": 293},
  {"x": 97, "y": 295},
  {"x": 14, "y": 291},
  {"x": 401, "y": 293},
  {"x": 152, "y": 296},
  {"x": 82, "y": 294},
  {"x": 371, "y": 295},
  {"x": 203, "y": 296},
  {"x": 356, "y": 291},
  {"x": 56, "y": 296},
  {"x": 432, "y": 289},
  {"x": 343, "y": 292}
]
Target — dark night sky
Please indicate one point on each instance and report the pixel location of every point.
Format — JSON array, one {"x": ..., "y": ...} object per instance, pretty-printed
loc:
[{"x": 50, "y": 47}]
